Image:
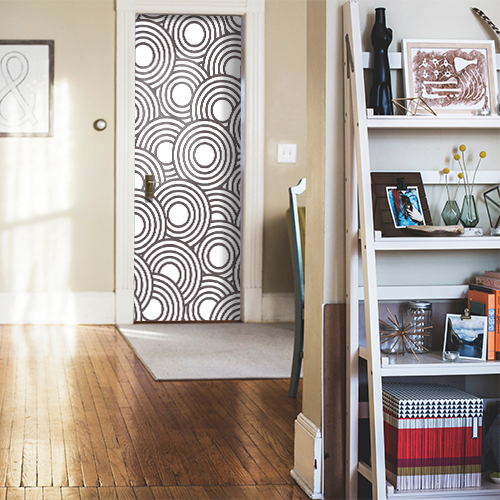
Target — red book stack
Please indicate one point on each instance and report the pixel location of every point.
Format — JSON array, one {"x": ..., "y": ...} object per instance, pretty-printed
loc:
[{"x": 433, "y": 436}]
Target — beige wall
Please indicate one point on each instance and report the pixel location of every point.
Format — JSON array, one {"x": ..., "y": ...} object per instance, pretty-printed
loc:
[
  {"x": 57, "y": 193},
  {"x": 285, "y": 122},
  {"x": 57, "y": 220},
  {"x": 316, "y": 66}
]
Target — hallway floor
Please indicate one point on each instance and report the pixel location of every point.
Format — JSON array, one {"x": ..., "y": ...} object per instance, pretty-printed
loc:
[{"x": 82, "y": 419}]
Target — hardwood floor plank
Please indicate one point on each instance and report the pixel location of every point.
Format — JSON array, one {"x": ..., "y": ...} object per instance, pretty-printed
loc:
[
  {"x": 256, "y": 431},
  {"x": 290, "y": 492},
  {"x": 201, "y": 470},
  {"x": 30, "y": 448},
  {"x": 57, "y": 443},
  {"x": 44, "y": 462},
  {"x": 161, "y": 493},
  {"x": 262, "y": 455},
  {"x": 30, "y": 444},
  {"x": 248, "y": 454},
  {"x": 70, "y": 493},
  {"x": 143, "y": 493},
  {"x": 80, "y": 398},
  {"x": 226, "y": 441},
  {"x": 107, "y": 493},
  {"x": 33, "y": 494},
  {"x": 82, "y": 419},
  {"x": 73, "y": 463},
  {"x": 89, "y": 493},
  {"x": 268, "y": 492},
  {"x": 4, "y": 461},
  {"x": 15, "y": 494},
  {"x": 142, "y": 449},
  {"x": 52, "y": 493},
  {"x": 97, "y": 382},
  {"x": 128, "y": 463},
  {"x": 124, "y": 493},
  {"x": 171, "y": 469},
  {"x": 15, "y": 460},
  {"x": 189, "y": 493}
]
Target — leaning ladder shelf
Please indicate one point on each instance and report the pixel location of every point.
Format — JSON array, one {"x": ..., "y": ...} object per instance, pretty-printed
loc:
[{"x": 363, "y": 243}]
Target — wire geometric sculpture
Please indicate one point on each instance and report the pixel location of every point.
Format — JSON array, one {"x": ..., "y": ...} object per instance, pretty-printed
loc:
[
  {"x": 492, "y": 206},
  {"x": 415, "y": 104},
  {"x": 402, "y": 332}
]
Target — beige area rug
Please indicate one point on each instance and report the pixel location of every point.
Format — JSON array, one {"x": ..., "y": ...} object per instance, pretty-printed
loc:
[{"x": 183, "y": 351}]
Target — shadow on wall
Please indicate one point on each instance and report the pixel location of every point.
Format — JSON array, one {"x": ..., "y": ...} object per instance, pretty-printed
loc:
[{"x": 36, "y": 222}]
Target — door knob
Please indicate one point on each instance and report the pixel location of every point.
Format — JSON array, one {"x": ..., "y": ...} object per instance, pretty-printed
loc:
[{"x": 149, "y": 186}]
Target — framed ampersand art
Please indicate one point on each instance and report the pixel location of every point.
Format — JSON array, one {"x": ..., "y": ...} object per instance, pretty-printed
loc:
[{"x": 26, "y": 88}]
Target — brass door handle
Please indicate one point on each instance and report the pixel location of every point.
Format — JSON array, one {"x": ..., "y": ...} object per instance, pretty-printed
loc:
[{"x": 149, "y": 186}]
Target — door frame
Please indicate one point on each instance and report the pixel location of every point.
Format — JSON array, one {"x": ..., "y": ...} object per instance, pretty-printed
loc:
[{"x": 252, "y": 143}]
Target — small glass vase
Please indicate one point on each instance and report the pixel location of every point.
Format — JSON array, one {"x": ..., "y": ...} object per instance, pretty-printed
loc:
[
  {"x": 468, "y": 216},
  {"x": 451, "y": 213}
]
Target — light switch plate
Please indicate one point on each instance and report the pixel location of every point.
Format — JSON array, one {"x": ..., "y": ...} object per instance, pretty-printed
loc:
[{"x": 287, "y": 153}]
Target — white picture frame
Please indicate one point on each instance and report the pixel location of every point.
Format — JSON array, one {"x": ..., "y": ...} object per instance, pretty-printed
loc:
[
  {"x": 468, "y": 337},
  {"x": 451, "y": 76},
  {"x": 26, "y": 88}
]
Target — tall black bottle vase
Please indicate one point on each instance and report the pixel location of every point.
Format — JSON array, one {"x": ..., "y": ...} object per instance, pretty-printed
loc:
[{"x": 381, "y": 93}]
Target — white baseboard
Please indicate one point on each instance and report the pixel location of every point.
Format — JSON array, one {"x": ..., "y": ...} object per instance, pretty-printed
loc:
[
  {"x": 94, "y": 308},
  {"x": 67, "y": 308},
  {"x": 278, "y": 307},
  {"x": 308, "y": 462}
]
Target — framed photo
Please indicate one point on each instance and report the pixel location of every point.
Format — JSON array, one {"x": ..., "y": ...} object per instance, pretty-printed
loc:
[
  {"x": 400, "y": 202},
  {"x": 467, "y": 336},
  {"x": 405, "y": 206},
  {"x": 456, "y": 76},
  {"x": 26, "y": 88}
]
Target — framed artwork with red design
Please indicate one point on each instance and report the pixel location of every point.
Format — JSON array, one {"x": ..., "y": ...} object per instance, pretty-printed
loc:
[{"x": 451, "y": 76}]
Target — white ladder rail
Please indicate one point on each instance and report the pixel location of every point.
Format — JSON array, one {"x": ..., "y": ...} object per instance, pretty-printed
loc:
[
  {"x": 352, "y": 305},
  {"x": 356, "y": 81}
]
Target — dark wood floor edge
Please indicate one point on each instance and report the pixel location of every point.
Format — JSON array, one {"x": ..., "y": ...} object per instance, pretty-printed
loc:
[{"x": 334, "y": 380}]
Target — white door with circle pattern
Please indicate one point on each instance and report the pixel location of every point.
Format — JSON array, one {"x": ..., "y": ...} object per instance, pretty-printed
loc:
[{"x": 187, "y": 135}]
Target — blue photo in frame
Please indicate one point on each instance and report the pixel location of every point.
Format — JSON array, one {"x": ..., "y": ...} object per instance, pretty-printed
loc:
[{"x": 405, "y": 206}]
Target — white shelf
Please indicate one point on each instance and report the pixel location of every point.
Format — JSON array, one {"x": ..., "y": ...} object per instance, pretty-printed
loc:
[
  {"x": 430, "y": 364},
  {"x": 488, "y": 489},
  {"x": 431, "y": 122},
  {"x": 396, "y": 60},
  {"x": 409, "y": 243},
  {"x": 417, "y": 292}
]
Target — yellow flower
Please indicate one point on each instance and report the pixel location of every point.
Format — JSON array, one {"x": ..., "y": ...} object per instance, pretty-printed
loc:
[
  {"x": 446, "y": 170},
  {"x": 460, "y": 175},
  {"x": 457, "y": 157},
  {"x": 482, "y": 154},
  {"x": 462, "y": 147}
]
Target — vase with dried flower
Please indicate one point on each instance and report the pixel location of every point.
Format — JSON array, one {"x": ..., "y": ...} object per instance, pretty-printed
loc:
[
  {"x": 451, "y": 210},
  {"x": 468, "y": 215}
]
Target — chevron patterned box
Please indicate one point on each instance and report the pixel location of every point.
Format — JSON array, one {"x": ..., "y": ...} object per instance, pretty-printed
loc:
[{"x": 432, "y": 436}]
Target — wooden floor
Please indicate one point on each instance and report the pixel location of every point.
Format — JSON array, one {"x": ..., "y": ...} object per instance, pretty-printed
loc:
[{"x": 82, "y": 419}]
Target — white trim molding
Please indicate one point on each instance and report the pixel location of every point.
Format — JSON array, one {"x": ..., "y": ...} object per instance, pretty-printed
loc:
[
  {"x": 308, "y": 461},
  {"x": 252, "y": 142},
  {"x": 57, "y": 308}
]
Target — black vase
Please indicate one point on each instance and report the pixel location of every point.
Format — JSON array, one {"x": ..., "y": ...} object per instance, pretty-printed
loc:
[{"x": 381, "y": 94}]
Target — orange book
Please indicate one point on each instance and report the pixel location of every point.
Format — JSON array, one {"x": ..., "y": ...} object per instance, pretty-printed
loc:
[{"x": 484, "y": 303}]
